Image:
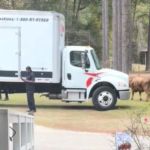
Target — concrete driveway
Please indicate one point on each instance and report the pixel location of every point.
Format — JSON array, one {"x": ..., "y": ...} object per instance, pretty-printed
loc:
[{"x": 53, "y": 139}]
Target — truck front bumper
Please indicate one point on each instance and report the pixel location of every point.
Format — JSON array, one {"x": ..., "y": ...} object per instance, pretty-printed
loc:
[{"x": 124, "y": 95}]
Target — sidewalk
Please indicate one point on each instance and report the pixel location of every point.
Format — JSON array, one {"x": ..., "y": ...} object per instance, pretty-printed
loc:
[{"x": 53, "y": 139}]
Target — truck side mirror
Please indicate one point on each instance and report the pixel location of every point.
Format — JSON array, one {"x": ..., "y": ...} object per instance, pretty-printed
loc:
[{"x": 85, "y": 61}]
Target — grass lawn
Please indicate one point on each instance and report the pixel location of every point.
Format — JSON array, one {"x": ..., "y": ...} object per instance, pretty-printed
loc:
[{"x": 79, "y": 117}]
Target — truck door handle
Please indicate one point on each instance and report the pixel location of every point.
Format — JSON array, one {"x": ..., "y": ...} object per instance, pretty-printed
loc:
[
  {"x": 86, "y": 70},
  {"x": 69, "y": 76}
]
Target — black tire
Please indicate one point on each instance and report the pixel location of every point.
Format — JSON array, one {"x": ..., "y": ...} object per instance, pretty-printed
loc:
[{"x": 104, "y": 98}]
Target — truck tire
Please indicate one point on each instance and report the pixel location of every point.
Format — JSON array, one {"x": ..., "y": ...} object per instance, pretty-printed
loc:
[{"x": 104, "y": 98}]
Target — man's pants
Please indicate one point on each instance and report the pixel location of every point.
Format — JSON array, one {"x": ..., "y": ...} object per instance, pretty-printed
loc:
[{"x": 31, "y": 102}]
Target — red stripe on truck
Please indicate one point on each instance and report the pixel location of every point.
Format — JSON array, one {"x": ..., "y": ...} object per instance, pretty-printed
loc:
[
  {"x": 93, "y": 74},
  {"x": 89, "y": 81}
]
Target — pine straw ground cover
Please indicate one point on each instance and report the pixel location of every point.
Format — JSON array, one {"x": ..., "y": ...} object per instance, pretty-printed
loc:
[{"x": 79, "y": 117}]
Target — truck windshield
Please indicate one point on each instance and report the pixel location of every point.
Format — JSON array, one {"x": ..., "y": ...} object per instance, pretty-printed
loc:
[{"x": 95, "y": 58}]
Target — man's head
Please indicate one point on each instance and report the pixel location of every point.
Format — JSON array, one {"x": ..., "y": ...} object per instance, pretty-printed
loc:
[{"x": 28, "y": 69}]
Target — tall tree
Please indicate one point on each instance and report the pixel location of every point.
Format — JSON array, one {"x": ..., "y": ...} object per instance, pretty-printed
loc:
[
  {"x": 115, "y": 51},
  {"x": 105, "y": 34},
  {"x": 121, "y": 34},
  {"x": 126, "y": 23},
  {"x": 148, "y": 52}
]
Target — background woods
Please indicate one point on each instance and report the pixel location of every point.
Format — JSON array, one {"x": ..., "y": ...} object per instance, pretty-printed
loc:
[{"x": 119, "y": 30}]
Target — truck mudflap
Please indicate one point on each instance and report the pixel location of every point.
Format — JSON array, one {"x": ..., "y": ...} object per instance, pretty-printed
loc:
[{"x": 124, "y": 94}]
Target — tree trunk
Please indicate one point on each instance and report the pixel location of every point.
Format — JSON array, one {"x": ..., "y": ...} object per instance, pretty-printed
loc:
[
  {"x": 105, "y": 34},
  {"x": 125, "y": 34},
  {"x": 134, "y": 3},
  {"x": 66, "y": 8},
  {"x": 12, "y": 4},
  {"x": 119, "y": 34},
  {"x": 67, "y": 21},
  {"x": 114, "y": 35},
  {"x": 78, "y": 9},
  {"x": 148, "y": 50},
  {"x": 74, "y": 11}
]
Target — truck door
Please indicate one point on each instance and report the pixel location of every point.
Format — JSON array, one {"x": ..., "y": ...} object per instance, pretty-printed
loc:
[
  {"x": 74, "y": 74},
  {"x": 9, "y": 53}
]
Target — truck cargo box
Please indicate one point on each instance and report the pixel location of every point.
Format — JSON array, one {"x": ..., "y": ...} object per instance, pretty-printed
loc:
[{"x": 31, "y": 38}]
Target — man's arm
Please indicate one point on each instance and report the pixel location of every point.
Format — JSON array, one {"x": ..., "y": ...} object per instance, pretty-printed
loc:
[{"x": 29, "y": 81}]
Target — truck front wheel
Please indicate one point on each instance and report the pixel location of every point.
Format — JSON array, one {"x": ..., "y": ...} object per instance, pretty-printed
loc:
[{"x": 104, "y": 98}]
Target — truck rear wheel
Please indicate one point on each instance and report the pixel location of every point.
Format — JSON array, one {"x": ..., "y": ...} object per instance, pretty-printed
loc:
[{"x": 104, "y": 98}]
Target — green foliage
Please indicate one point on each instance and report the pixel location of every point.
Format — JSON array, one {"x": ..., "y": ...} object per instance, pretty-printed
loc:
[
  {"x": 82, "y": 17},
  {"x": 4, "y": 4},
  {"x": 83, "y": 20},
  {"x": 140, "y": 11}
]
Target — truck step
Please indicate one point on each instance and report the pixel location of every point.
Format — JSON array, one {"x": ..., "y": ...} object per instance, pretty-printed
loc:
[{"x": 74, "y": 95}]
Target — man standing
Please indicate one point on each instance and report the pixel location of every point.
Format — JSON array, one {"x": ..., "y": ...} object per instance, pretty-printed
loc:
[{"x": 30, "y": 89}]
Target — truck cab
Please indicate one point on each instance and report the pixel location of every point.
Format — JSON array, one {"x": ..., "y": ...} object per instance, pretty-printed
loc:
[{"x": 83, "y": 79}]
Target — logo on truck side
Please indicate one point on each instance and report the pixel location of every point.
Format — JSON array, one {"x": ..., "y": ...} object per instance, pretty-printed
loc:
[{"x": 91, "y": 78}]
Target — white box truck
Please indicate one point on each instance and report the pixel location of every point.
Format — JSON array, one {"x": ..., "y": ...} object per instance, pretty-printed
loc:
[{"x": 71, "y": 73}]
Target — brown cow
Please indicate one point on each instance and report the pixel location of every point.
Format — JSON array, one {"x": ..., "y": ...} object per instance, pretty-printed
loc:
[
  {"x": 135, "y": 82},
  {"x": 140, "y": 83},
  {"x": 146, "y": 86}
]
